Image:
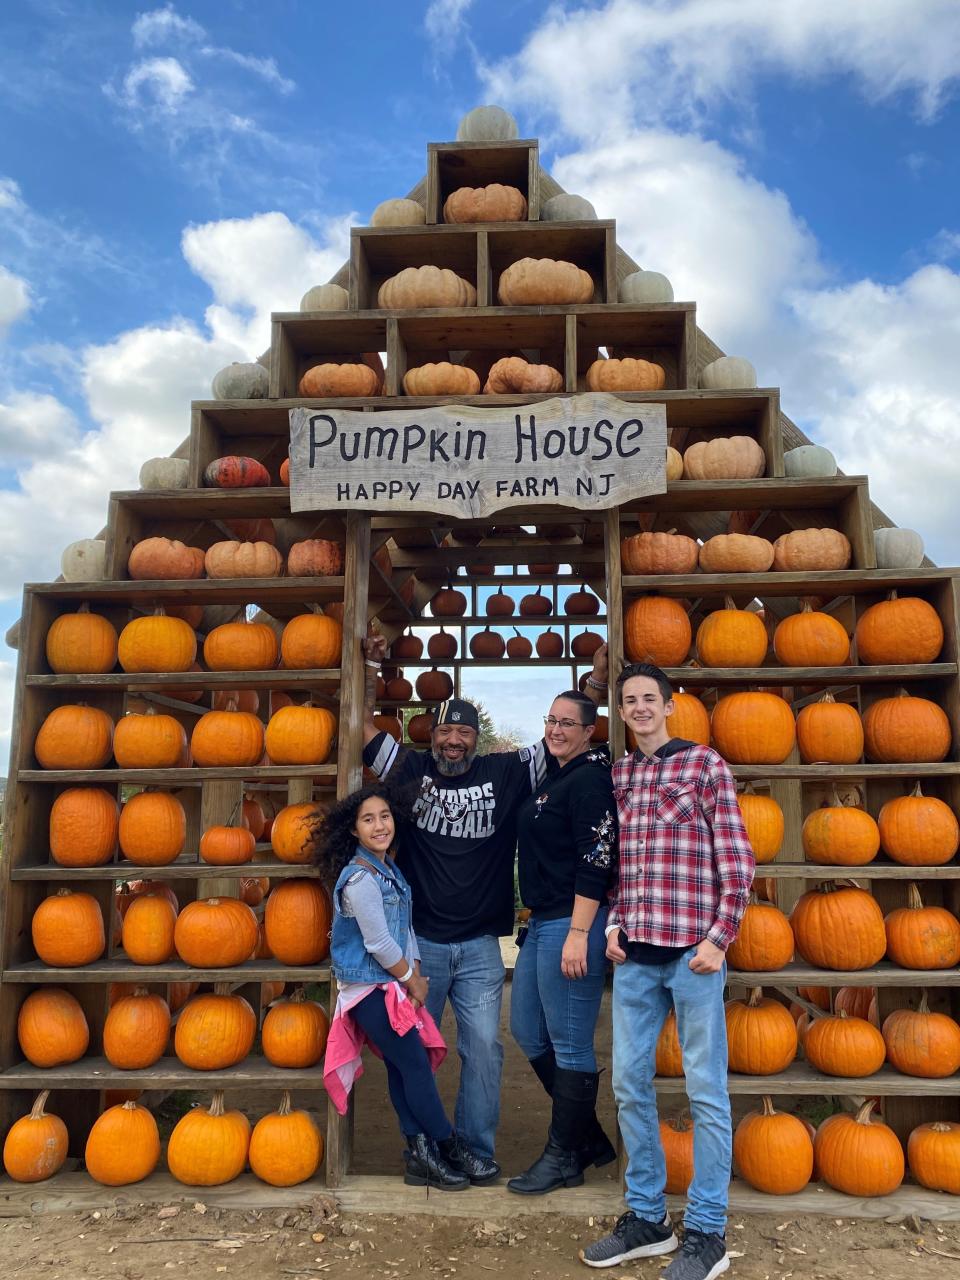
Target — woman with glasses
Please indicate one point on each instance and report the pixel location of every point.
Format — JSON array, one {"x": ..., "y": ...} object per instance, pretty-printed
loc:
[{"x": 566, "y": 841}]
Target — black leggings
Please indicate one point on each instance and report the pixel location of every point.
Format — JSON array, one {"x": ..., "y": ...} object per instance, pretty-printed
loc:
[{"x": 413, "y": 1090}]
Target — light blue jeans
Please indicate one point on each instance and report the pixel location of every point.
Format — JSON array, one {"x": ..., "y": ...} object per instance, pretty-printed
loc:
[
  {"x": 642, "y": 995},
  {"x": 549, "y": 1011},
  {"x": 471, "y": 975}
]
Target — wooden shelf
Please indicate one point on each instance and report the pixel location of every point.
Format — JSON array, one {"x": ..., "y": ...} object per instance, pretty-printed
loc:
[
  {"x": 121, "y": 970},
  {"x": 871, "y": 871},
  {"x": 193, "y": 777},
  {"x": 801, "y": 1079},
  {"x": 168, "y": 1073},
  {"x": 829, "y": 772},
  {"x": 275, "y": 678},
  {"x": 707, "y": 676},
  {"x": 831, "y": 583},
  {"x": 479, "y": 620},
  {"x": 179, "y": 870},
  {"x": 884, "y": 974},
  {"x": 202, "y": 591}
]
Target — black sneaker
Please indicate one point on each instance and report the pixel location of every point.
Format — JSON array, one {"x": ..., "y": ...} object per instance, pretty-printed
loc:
[
  {"x": 632, "y": 1237},
  {"x": 702, "y": 1256}
]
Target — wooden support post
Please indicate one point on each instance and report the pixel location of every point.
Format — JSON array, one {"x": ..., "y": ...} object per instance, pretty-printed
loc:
[
  {"x": 283, "y": 363},
  {"x": 484, "y": 274},
  {"x": 570, "y": 354},
  {"x": 611, "y": 547},
  {"x": 123, "y": 532},
  {"x": 396, "y": 359},
  {"x": 204, "y": 446}
]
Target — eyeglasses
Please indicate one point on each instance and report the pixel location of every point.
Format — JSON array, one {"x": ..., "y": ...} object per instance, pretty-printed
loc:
[{"x": 551, "y": 722}]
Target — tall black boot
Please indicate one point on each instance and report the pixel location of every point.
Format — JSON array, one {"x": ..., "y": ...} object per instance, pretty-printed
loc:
[
  {"x": 597, "y": 1148},
  {"x": 560, "y": 1165},
  {"x": 426, "y": 1167}
]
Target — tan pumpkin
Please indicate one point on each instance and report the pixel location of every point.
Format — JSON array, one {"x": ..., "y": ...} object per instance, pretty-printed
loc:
[
  {"x": 902, "y": 629},
  {"x": 773, "y": 1151},
  {"x": 295, "y": 1032},
  {"x": 906, "y": 730},
  {"x": 74, "y": 736},
  {"x": 297, "y": 922},
  {"x": 215, "y": 933},
  {"x": 123, "y": 1146},
  {"x": 83, "y": 827},
  {"x": 36, "y": 1145},
  {"x": 152, "y": 829},
  {"x": 52, "y": 1028},
  {"x": 209, "y": 1147},
  {"x": 441, "y": 379},
  {"x": 285, "y": 1147},
  {"x": 227, "y": 739},
  {"x": 922, "y": 937},
  {"x": 626, "y": 374},
  {"x": 241, "y": 646},
  {"x": 811, "y": 550},
  {"x": 736, "y": 553},
  {"x": 496, "y": 202},
  {"x": 215, "y": 1030},
  {"x": 548, "y": 281},
  {"x": 157, "y": 643},
  {"x": 753, "y": 728},
  {"x": 137, "y": 1030},
  {"x": 922, "y": 1043},
  {"x": 858, "y": 1155},
  {"x": 674, "y": 465},
  {"x": 732, "y": 637},
  {"x": 315, "y": 558},
  {"x": 811, "y": 639},
  {"x": 67, "y": 930},
  {"x": 512, "y": 375},
  {"x": 300, "y": 735},
  {"x": 764, "y": 821},
  {"x": 764, "y": 942},
  {"x": 724, "y": 458},
  {"x": 656, "y": 629},
  {"x": 829, "y": 732},
  {"x": 654, "y": 553},
  {"x": 844, "y": 1046},
  {"x": 761, "y": 1035},
  {"x": 162, "y": 558},
  {"x": 839, "y": 834},
  {"x": 839, "y": 927},
  {"x": 150, "y": 741},
  {"x": 918, "y": 830},
  {"x": 330, "y": 379},
  {"x": 243, "y": 560},
  {"x": 429, "y": 286},
  {"x": 311, "y": 641},
  {"x": 297, "y": 831},
  {"x": 148, "y": 927},
  {"x": 676, "y": 1140},
  {"x": 81, "y": 643}
]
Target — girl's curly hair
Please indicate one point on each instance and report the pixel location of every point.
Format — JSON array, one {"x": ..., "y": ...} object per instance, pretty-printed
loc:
[{"x": 337, "y": 843}]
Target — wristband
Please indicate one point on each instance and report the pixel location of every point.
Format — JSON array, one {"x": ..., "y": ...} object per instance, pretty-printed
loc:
[
  {"x": 574, "y": 929},
  {"x": 405, "y": 977},
  {"x": 367, "y": 662},
  {"x": 597, "y": 684}
]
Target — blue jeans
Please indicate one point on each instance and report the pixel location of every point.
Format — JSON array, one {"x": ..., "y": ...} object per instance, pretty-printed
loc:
[
  {"x": 471, "y": 974},
  {"x": 549, "y": 1011},
  {"x": 642, "y": 996}
]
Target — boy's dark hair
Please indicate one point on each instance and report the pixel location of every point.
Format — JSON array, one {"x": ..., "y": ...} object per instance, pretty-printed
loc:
[
  {"x": 337, "y": 844},
  {"x": 588, "y": 707},
  {"x": 634, "y": 669}
]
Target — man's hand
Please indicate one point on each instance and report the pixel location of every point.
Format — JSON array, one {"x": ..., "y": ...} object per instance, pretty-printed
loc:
[
  {"x": 601, "y": 664},
  {"x": 417, "y": 988},
  {"x": 615, "y": 952},
  {"x": 374, "y": 648},
  {"x": 707, "y": 958},
  {"x": 573, "y": 958}
]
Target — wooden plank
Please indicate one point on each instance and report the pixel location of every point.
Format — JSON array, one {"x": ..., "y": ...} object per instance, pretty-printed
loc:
[
  {"x": 855, "y": 521},
  {"x": 483, "y": 273},
  {"x": 822, "y": 582},
  {"x": 204, "y": 446},
  {"x": 182, "y": 869},
  {"x": 174, "y": 971},
  {"x": 396, "y": 360},
  {"x": 326, "y": 678},
  {"x": 801, "y": 1080},
  {"x": 872, "y": 871},
  {"x": 176, "y": 777},
  {"x": 883, "y": 974},
  {"x": 611, "y": 533},
  {"x": 533, "y": 182},
  {"x": 434, "y": 213},
  {"x": 203, "y": 591},
  {"x": 688, "y": 353},
  {"x": 167, "y": 1073},
  {"x": 570, "y": 355},
  {"x": 123, "y": 531}
]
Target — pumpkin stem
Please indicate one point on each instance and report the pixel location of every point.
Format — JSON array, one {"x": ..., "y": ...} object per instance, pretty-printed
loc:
[
  {"x": 938, "y": 1126},
  {"x": 828, "y": 697},
  {"x": 863, "y": 1115},
  {"x": 216, "y": 1104},
  {"x": 924, "y": 1006},
  {"x": 142, "y": 991},
  {"x": 916, "y": 790},
  {"x": 729, "y": 602},
  {"x": 298, "y": 996},
  {"x": 756, "y": 995},
  {"x": 806, "y": 607},
  {"x": 130, "y": 1105},
  {"x": 36, "y": 1111},
  {"x": 914, "y": 901},
  {"x": 284, "y": 1107},
  {"x": 768, "y": 1105}
]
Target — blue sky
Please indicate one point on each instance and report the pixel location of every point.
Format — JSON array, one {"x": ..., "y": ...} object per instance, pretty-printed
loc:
[{"x": 169, "y": 174}]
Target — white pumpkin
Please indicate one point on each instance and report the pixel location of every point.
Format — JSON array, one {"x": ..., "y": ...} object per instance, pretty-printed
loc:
[
  {"x": 325, "y": 297},
  {"x": 165, "y": 473},
  {"x": 809, "y": 461},
  {"x": 645, "y": 286},
  {"x": 398, "y": 213},
  {"x": 84, "y": 561},
  {"x": 242, "y": 382},
  {"x": 567, "y": 208},
  {"x": 727, "y": 374},
  {"x": 487, "y": 124},
  {"x": 898, "y": 548}
]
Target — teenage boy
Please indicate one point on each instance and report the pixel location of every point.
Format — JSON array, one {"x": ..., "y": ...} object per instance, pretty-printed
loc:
[{"x": 685, "y": 872}]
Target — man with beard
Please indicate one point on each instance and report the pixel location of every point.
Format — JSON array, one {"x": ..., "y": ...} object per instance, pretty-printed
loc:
[{"x": 457, "y": 853}]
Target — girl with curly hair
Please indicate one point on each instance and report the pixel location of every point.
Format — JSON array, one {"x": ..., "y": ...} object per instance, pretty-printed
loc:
[{"x": 381, "y": 991}]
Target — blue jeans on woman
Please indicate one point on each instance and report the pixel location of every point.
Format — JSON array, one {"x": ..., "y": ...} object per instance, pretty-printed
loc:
[
  {"x": 549, "y": 1011},
  {"x": 642, "y": 996}
]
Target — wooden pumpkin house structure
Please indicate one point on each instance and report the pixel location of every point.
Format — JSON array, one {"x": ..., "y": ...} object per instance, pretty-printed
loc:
[{"x": 832, "y": 684}]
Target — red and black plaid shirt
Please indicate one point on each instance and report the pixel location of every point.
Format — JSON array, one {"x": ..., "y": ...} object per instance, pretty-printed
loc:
[{"x": 686, "y": 864}]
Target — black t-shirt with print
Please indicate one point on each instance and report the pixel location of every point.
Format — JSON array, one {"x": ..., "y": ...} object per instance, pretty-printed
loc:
[{"x": 458, "y": 850}]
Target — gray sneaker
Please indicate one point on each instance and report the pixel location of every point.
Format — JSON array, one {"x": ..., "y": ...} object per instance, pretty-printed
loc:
[
  {"x": 632, "y": 1237},
  {"x": 702, "y": 1256}
]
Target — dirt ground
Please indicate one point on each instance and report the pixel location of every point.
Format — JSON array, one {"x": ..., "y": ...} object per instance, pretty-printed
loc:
[{"x": 148, "y": 1242}]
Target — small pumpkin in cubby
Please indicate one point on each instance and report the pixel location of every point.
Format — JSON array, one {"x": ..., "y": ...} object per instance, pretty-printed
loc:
[
  {"x": 81, "y": 643},
  {"x": 67, "y": 930},
  {"x": 286, "y": 1146},
  {"x": 933, "y": 1154},
  {"x": 215, "y": 1030},
  {"x": 398, "y": 689},
  {"x": 487, "y": 645},
  {"x": 297, "y": 830},
  {"x": 52, "y": 1028},
  {"x": 441, "y": 378},
  {"x": 732, "y": 637},
  {"x": 899, "y": 630},
  {"x": 123, "y": 1146},
  {"x": 676, "y": 1140},
  {"x": 427, "y": 286},
  {"x": 773, "y": 1151},
  {"x": 654, "y": 553},
  {"x": 83, "y": 827},
  {"x": 811, "y": 550},
  {"x": 300, "y": 735},
  {"x": 581, "y": 604},
  {"x": 736, "y": 553},
  {"x": 243, "y": 560},
  {"x": 918, "y": 830},
  {"x": 157, "y": 643},
  {"x": 208, "y": 1146},
  {"x": 215, "y": 933},
  {"x": 922, "y": 937},
  {"x": 765, "y": 941},
  {"x": 512, "y": 375},
  {"x": 227, "y": 739},
  {"x": 898, "y": 548},
  {"x": 148, "y": 929},
  {"x": 152, "y": 829},
  {"x": 136, "y": 1031},
  {"x": 839, "y": 834},
  {"x": 845, "y": 1046},
  {"x": 149, "y": 741},
  {"x": 311, "y": 641},
  {"x": 906, "y": 730},
  {"x": 859, "y": 1155},
  {"x": 761, "y": 1035},
  {"x": 728, "y": 373},
  {"x": 921, "y": 1042},
  {"x": 829, "y": 732},
  {"x": 331, "y": 378},
  {"x": 386, "y": 722},
  {"x": 753, "y": 728},
  {"x": 839, "y": 927},
  {"x": 543, "y": 281},
  {"x": 549, "y": 644},
  {"x": 495, "y": 202},
  {"x": 535, "y": 605},
  {"x": 519, "y": 646},
  {"x": 656, "y": 629},
  {"x": 253, "y": 890},
  {"x": 420, "y": 727},
  {"x": 724, "y": 458},
  {"x": 74, "y": 736},
  {"x": 407, "y": 648},
  {"x": 689, "y": 719},
  {"x": 235, "y": 471},
  {"x": 434, "y": 686},
  {"x": 626, "y": 374},
  {"x": 295, "y": 1032},
  {"x": 36, "y": 1145},
  {"x": 161, "y": 558},
  {"x": 315, "y": 558},
  {"x": 499, "y": 605},
  {"x": 448, "y": 603},
  {"x": 241, "y": 646},
  {"x": 227, "y": 846},
  {"x": 857, "y": 1002},
  {"x": 297, "y": 922},
  {"x": 811, "y": 639},
  {"x": 442, "y": 646},
  {"x": 764, "y": 821},
  {"x": 586, "y": 643}
]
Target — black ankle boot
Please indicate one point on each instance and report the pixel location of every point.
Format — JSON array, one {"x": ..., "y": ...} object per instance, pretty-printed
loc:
[
  {"x": 479, "y": 1169},
  {"x": 561, "y": 1164},
  {"x": 426, "y": 1167},
  {"x": 597, "y": 1148}
]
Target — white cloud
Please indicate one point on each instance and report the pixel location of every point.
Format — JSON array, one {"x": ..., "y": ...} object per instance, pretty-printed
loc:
[
  {"x": 162, "y": 83},
  {"x": 163, "y": 26},
  {"x": 444, "y": 21},
  {"x": 14, "y": 299},
  {"x": 10, "y": 197},
  {"x": 33, "y": 424},
  {"x": 265, "y": 68}
]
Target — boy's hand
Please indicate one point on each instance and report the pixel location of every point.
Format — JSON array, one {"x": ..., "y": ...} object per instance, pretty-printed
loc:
[
  {"x": 615, "y": 952},
  {"x": 707, "y": 958}
]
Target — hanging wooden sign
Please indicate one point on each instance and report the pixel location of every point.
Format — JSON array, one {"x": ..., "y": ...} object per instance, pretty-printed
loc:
[{"x": 587, "y": 451}]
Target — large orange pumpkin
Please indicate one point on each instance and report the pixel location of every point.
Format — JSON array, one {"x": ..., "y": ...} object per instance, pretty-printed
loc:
[
  {"x": 811, "y": 639},
  {"x": 136, "y": 1031},
  {"x": 297, "y": 922},
  {"x": 753, "y": 728},
  {"x": 148, "y": 929},
  {"x": 653, "y": 553},
  {"x": 764, "y": 821},
  {"x": 215, "y": 933},
  {"x": 295, "y": 1032},
  {"x": 765, "y": 941},
  {"x": 829, "y": 732},
  {"x": 208, "y": 1147},
  {"x": 67, "y": 930},
  {"x": 36, "y": 1145},
  {"x": 148, "y": 741},
  {"x": 153, "y": 829},
  {"x": 74, "y": 736},
  {"x": 286, "y": 1146},
  {"x": 123, "y": 1146},
  {"x": 311, "y": 640},
  {"x": 838, "y": 927},
  {"x": 656, "y": 629},
  {"x": 300, "y": 735},
  {"x": 805, "y": 550},
  {"x": 52, "y": 1028},
  {"x": 296, "y": 832},
  {"x": 920, "y": 937},
  {"x": 215, "y": 1031},
  {"x": 83, "y": 827},
  {"x": 921, "y": 1042},
  {"x": 159, "y": 559},
  {"x": 241, "y": 646},
  {"x": 81, "y": 643},
  {"x": 676, "y": 1139},
  {"x": 918, "y": 830},
  {"x": 732, "y": 637},
  {"x": 315, "y": 557},
  {"x": 906, "y": 730},
  {"x": 904, "y": 630},
  {"x": 858, "y": 1155},
  {"x": 224, "y": 846},
  {"x": 773, "y": 1151},
  {"x": 229, "y": 739},
  {"x": 761, "y": 1035},
  {"x": 840, "y": 834},
  {"x": 157, "y": 643},
  {"x": 933, "y": 1154},
  {"x": 844, "y": 1046}
]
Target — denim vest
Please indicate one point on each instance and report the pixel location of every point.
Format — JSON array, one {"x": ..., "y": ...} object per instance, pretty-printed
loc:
[{"x": 351, "y": 961}]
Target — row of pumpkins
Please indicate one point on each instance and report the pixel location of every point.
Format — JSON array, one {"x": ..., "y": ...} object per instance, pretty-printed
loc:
[
  {"x": 779, "y": 1153},
  {"x": 208, "y": 1146}
]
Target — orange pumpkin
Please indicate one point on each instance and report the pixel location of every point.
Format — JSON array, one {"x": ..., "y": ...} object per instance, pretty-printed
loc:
[
  {"x": 436, "y": 686},
  {"x": 736, "y": 553},
  {"x": 933, "y": 1154},
  {"x": 448, "y": 603},
  {"x": 856, "y": 1002},
  {"x": 858, "y": 1155},
  {"x": 654, "y": 553},
  {"x": 627, "y": 374},
  {"x": 215, "y": 933},
  {"x": 236, "y": 471},
  {"x": 753, "y": 728},
  {"x": 844, "y": 1046},
  {"x": 669, "y": 1056},
  {"x": 315, "y": 557},
  {"x": 811, "y": 639},
  {"x": 153, "y": 829},
  {"x": 74, "y": 736},
  {"x": 123, "y": 1146},
  {"x": 311, "y": 640},
  {"x": 52, "y": 1028},
  {"x": 724, "y": 458},
  {"x": 159, "y": 559},
  {"x": 441, "y": 378},
  {"x": 215, "y": 1031},
  {"x": 148, "y": 930},
  {"x": 918, "y": 830},
  {"x": 906, "y": 730},
  {"x": 676, "y": 1139},
  {"x": 136, "y": 1031},
  {"x": 921, "y": 1042},
  {"x": 209, "y": 1147},
  {"x": 300, "y": 735},
  {"x": 224, "y": 846},
  {"x": 764, "y": 942},
  {"x": 689, "y": 719},
  {"x": 840, "y": 834},
  {"x": 241, "y": 646},
  {"x": 285, "y": 1147},
  {"x": 295, "y": 1032},
  {"x": 243, "y": 560},
  {"x": 330, "y": 379},
  {"x": 157, "y": 643},
  {"x": 230, "y": 739},
  {"x": 829, "y": 732},
  {"x": 296, "y": 832},
  {"x": 764, "y": 821},
  {"x": 732, "y": 637},
  {"x": 67, "y": 930},
  {"x": 81, "y": 643},
  {"x": 773, "y": 1151},
  {"x": 36, "y": 1145},
  {"x": 811, "y": 550},
  {"x": 920, "y": 937},
  {"x": 148, "y": 741},
  {"x": 761, "y": 1035},
  {"x": 297, "y": 922},
  {"x": 83, "y": 827},
  {"x": 899, "y": 630},
  {"x": 838, "y": 927},
  {"x": 656, "y": 629}
]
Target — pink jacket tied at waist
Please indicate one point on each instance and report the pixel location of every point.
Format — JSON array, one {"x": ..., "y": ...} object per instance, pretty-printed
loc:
[{"x": 342, "y": 1063}]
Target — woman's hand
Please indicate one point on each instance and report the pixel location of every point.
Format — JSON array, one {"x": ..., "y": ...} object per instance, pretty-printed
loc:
[
  {"x": 417, "y": 988},
  {"x": 573, "y": 959}
]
